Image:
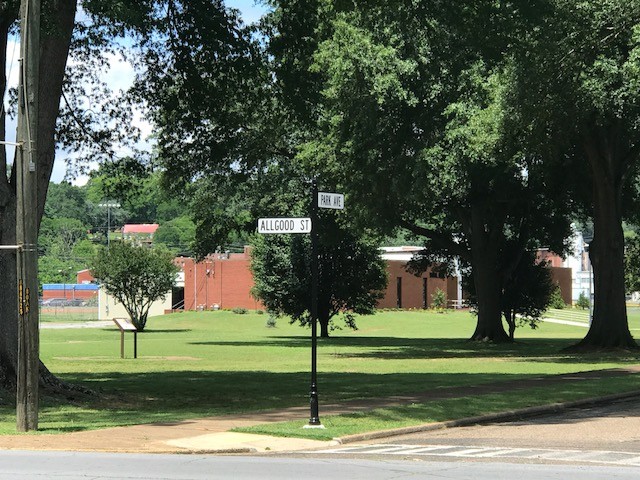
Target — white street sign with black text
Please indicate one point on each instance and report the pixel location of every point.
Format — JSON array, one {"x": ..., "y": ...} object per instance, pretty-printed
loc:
[
  {"x": 331, "y": 200},
  {"x": 284, "y": 225}
]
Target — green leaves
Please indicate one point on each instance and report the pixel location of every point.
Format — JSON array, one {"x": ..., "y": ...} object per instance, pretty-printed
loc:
[
  {"x": 352, "y": 59},
  {"x": 352, "y": 274},
  {"x": 136, "y": 276}
]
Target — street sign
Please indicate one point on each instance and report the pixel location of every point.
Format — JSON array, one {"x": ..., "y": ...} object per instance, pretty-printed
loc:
[
  {"x": 284, "y": 225},
  {"x": 331, "y": 200}
]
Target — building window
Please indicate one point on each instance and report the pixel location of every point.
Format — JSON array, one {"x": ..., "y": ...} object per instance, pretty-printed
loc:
[{"x": 399, "y": 292}]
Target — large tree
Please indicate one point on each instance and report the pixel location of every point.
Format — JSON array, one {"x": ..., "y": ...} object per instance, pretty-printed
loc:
[
  {"x": 578, "y": 79},
  {"x": 417, "y": 124},
  {"x": 85, "y": 116},
  {"x": 352, "y": 274},
  {"x": 54, "y": 51},
  {"x": 400, "y": 105}
]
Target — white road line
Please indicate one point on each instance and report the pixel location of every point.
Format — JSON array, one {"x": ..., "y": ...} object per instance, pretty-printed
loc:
[{"x": 465, "y": 451}]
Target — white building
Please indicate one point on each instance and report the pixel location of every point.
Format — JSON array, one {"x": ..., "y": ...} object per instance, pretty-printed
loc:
[{"x": 581, "y": 271}]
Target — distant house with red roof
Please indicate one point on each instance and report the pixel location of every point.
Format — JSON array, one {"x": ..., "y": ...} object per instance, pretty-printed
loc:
[{"x": 141, "y": 232}]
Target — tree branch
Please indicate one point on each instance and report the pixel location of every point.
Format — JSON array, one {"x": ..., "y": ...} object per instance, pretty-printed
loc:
[{"x": 439, "y": 239}]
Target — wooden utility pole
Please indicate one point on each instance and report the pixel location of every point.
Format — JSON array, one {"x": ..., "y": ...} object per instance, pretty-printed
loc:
[{"x": 26, "y": 218}]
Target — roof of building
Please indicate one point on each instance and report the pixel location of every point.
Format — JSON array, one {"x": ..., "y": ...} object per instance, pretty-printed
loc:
[
  {"x": 404, "y": 253},
  {"x": 140, "y": 228},
  {"x": 70, "y": 286}
]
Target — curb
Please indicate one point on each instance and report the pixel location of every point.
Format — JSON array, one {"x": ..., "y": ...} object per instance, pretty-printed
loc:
[
  {"x": 487, "y": 418},
  {"x": 217, "y": 451}
]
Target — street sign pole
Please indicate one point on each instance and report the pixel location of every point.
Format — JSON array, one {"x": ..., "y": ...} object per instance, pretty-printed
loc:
[
  {"x": 310, "y": 225},
  {"x": 314, "y": 418}
]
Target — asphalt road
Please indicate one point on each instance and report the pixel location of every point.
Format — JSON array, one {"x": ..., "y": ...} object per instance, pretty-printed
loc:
[{"x": 16, "y": 465}]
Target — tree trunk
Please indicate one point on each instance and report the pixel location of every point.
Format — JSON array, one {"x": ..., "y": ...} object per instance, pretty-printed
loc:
[
  {"x": 9, "y": 302},
  {"x": 8, "y": 299},
  {"x": 510, "y": 317},
  {"x": 323, "y": 321},
  {"x": 609, "y": 328},
  {"x": 487, "y": 279},
  {"x": 53, "y": 58},
  {"x": 489, "y": 326}
]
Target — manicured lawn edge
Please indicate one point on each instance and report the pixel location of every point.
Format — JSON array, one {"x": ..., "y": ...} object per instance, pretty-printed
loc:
[{"x": 456, "y": 411}]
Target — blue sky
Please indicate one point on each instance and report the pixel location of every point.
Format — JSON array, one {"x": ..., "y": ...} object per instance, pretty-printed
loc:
[
  {"x": 121, "y": 74},
  {"x": 251, "y": 10}
]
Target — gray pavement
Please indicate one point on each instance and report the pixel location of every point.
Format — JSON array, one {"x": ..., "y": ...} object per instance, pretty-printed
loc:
[{"x": 77, "y": 466}]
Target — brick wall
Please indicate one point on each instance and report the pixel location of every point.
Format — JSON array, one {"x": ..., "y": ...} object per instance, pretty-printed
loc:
[
  {"x": 218, "y": 281},
  {"x": 561, "y": 276},
  {"x": 226, "y": 283},
  {"x": 405, "y": 290}
]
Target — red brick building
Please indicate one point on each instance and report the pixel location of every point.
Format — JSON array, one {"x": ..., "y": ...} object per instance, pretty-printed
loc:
[
  {"x": 560, "y": 275},
  {"x": 225, "y": 281},
  {"x": 219, "y": 281},
  {"x": 406, "y": 290}
]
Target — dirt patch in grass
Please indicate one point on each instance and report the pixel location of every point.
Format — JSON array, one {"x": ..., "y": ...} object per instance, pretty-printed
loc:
[
  {"x": 72, "y": 359},
  {"x": 173, "y": 358}
]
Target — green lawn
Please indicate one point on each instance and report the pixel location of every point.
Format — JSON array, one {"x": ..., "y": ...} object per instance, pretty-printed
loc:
[{"x": 210, "y": 363}]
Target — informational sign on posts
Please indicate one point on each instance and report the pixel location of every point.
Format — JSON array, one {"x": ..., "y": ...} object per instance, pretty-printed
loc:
[
  {"x": 331, "y": 200},
  {"x": 284, "y": 225}
]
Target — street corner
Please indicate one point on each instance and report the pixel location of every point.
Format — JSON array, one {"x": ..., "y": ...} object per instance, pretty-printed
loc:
[{"x": 233, "y": 442}]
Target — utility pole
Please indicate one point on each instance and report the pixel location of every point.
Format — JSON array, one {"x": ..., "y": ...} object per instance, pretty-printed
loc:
[
  {"x": 109, "y": 204},
  {"x": 26, "y": 219}
]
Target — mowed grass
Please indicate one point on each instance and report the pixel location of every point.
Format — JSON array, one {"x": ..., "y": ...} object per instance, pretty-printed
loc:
[{"x": 211, "y": 363}]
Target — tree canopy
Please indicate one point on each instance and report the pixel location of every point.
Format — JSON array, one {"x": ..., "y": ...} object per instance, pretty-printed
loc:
[
  {"x": 136, "y": 276},
  {"x": 577, "y": 82},
  {"x": 416, "y": 122},
  {"x": 352, "y": 274}
]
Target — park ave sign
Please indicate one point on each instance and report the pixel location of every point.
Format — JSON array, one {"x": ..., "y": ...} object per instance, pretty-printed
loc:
[
  {"x": 284, "y": 225},
  {"x": 331, "y": 200},
  {"x": 300, "y": 225}
]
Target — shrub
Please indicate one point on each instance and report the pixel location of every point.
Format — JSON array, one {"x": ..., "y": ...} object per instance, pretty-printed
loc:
[
  {"x": 556, "y": 299},
  {"x": 583, "y": 302},
  {"x": 439, "y": 300},
  {"x": 271, "y": 321},
  {"x": 239, "y": 310}
]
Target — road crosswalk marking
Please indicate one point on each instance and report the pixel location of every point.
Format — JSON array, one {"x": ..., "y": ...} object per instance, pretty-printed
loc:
[{"x": 467, "y": 451}]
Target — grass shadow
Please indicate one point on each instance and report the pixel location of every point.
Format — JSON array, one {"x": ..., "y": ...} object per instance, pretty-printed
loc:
[
  {"x": 167, "y": 397},
  {"x": 398, "y": 348}
]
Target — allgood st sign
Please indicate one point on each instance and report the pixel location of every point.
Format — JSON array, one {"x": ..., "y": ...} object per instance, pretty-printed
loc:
[{"x": 284, "y": 225}]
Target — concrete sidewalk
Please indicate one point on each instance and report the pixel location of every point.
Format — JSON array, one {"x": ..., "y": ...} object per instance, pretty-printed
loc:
[{"x": 213, "y": 435}]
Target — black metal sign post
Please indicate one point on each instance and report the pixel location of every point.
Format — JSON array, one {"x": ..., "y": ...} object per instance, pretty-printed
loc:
[{"x": 314, "y": 418}]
